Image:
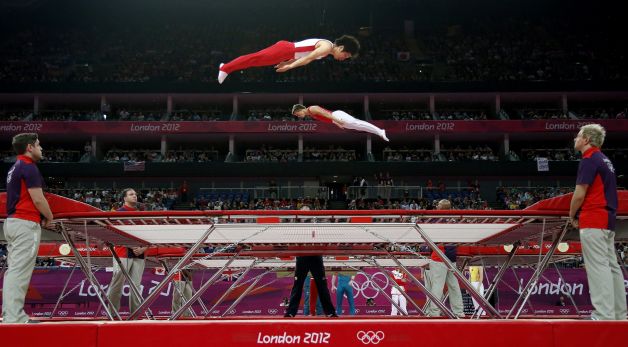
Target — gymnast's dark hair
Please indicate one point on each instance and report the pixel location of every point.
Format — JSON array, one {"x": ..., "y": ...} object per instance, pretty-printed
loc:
[{"x": 350, "y": 44}]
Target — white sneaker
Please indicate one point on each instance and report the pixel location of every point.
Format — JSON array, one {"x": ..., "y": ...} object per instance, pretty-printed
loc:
[
  {"x": 383, "y": 135},
  {"x": 221, "y": 74}
]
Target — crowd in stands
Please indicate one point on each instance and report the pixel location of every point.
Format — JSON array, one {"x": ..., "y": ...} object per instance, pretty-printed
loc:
[
  {"x": 485, "y": 153},
  {"x": 138, "y": 116},
  {"x": 197, "y": 116},
  {"x": 120, "y": 115},
  {"x": 66, "y": 115},
  {"x": 330, "y": 154},
  {"x": 243, "y": 201},
  {"x": 503, "y": 114},
  {"x": 556, "y": 154},
  {"x": 270, "y": 154},
  {"x": 458, "y": 203},
  {"x": 382, "y": 193},
  {"x": 401, "y": 114},
  {"x": 186, "y": 50},
  {"x": 76, "y": 115},
  {"x": 516, "y": 198},
  {"x": 460, "y": 115},
  {"x": 519, "y": 50},
  {"x": 270, "y": 114},
  {"x": 599, "y": 113},
  {"x": 482, "y": 153},
  {"x": 53, "y": 155},
  {"x": 282, "y": 114},
  {"x": 115, "y": 155},
  {"x": 534, "y": 114},
  {"x": 458, "y": 153},
  {"x": 12, "y": 116},
  {"x": 267, "y": 154},
  {"x": 110, "y": 199},
  {"x": 153, "y": 199},
  {"x": 190, "y": 155},
  {"x": 51, "y": 115},
  {"x": 567, "y": 154},
  {"x": 60, "y": 155},
  {"x": 405, "y": 154},
  {"x": 154, "y": 155}
]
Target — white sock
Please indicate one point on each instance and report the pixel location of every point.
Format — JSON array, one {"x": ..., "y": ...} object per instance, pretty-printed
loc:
[
  {"x": 383, "y": 135},
  {"x": 221, "y": 74}
]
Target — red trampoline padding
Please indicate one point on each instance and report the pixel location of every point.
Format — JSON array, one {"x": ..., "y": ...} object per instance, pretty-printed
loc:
[
  {"x": 558, "y": 206},
  {"x": 58, "y": 204},
  {"x": 322, "y": 332},
  {"x": 52, "y": 250},
  {"x": 592, "y": 333},
  {"x": 531, "y": 248},
  {"x": 361, "y": 219},
  {"x": 268, "y": 220},
  {"x": 339, "y": 332},
  {"x": 562, "y": 202},
  {"x": 49, "y": 335},
  {"x": 365, "y": 332},
  {"x": 254, "y": 214}
]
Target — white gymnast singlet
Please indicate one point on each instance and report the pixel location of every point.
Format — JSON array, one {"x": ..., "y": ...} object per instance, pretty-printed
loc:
[{"x": 303, "y": 48}]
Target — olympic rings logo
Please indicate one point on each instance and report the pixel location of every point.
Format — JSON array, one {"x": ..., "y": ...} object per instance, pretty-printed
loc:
[
  {"x": 367, "y": 288},
  {"x": 564, "y": 310},
  {"x": 272, "y": 311},
  {"x": 368, "y": 337}
]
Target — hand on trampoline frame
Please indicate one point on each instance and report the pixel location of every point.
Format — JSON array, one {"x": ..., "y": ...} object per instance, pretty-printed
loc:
[
  {"x": 139, "y": 250},
  {"x": 47, "y": 223},
  {"x": 574, "y": 223}
]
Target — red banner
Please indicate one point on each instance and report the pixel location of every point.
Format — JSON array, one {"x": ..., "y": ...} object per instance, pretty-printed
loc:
[
  {"x": 234, "y": 127},
  {"x": 320, "y": 332}
]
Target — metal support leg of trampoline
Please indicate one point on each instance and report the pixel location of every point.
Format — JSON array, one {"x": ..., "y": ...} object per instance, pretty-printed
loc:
[
  {"x": 183, "y": 261},
  {"x": 479, "y": 298}
]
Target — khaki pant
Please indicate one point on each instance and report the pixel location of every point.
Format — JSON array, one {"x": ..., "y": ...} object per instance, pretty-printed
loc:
[
  {"x": 135, "y": 268},
  {"x": 438, "y": 276},
  {"x": 182, "y": 290},
  {"x": 22, "y": 244},
  {"x": 605, "y": 278}
]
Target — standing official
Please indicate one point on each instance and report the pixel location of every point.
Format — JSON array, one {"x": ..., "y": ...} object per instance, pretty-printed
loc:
[
  {"x": 593, "y": 211},
  {"x": 132, "y": 260},
  {"x": 27, "y": 208}
]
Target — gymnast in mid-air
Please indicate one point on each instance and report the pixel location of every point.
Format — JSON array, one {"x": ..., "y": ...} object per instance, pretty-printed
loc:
[
  {"x": 340, "y": 118},
  {"x": 286, "y": 55}
]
